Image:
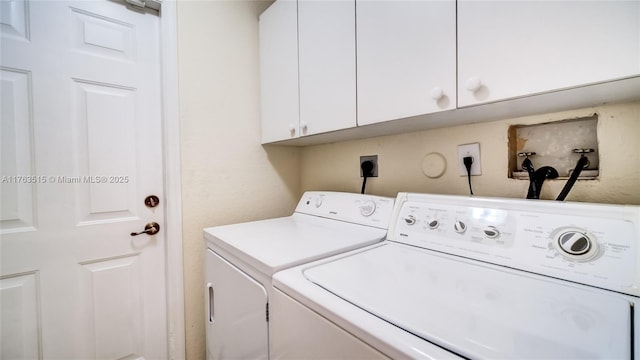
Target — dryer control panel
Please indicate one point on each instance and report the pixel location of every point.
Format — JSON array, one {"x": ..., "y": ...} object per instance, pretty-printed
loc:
[
  {"x": 361, "y": 209},
  {"x": 593, "y": 244}
]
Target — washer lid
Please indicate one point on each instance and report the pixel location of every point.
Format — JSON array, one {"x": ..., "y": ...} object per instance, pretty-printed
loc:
[
  {"x": 478, "y": 310},
  {"x": 274, "y": 244}
]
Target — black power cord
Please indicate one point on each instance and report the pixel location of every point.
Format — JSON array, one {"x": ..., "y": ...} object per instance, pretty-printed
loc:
[
  {"x": 367, "y": 171},
  {"x": 468, "y": 160}
]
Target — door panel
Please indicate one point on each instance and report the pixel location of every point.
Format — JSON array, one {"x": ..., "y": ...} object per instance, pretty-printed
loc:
[
  {"x": 112, "y": 289},
  {"x": 105, "y": 122},
  {"x": 406, "y": 58},
  {"x": 519, "y": 48},
  {"x": 20, "y": 317},
  {"x": 236, "y": 312},
  {"x": 327, "y": 65},
  {"x": 15, "y": 146},
  {"x": 81, "y": 136},
  {"x": 14, "y": 20},
  {"x": 279, "y": 108}
]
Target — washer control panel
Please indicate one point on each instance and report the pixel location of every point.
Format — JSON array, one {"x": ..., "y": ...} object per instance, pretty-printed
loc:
[
  {"x": 356, "y": 208},
  {"x": 448, "y": 224},
  {"x": 593, "y": 244}
]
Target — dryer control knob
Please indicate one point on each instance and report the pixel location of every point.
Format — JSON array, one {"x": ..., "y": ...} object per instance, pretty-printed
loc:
[
  {"x": 368, "y": 208},
  {"x": 460, "y": 227},
  {"x": 318, "y": 202},
  {"x": 410, "y": 220},
  {"x": 433, "y": 224}
]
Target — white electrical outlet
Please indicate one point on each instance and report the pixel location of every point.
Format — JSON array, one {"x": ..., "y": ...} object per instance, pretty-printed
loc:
[{"x": 472, "y": 150}]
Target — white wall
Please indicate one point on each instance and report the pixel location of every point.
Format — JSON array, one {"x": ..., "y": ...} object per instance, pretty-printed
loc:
[
  {"x": 336, "y": 166},
  {"x": 227, "y": 176}
]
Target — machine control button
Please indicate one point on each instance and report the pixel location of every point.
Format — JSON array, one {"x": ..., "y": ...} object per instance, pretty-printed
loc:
[
  {"x": 433, "y": 224},
  {"x": 368, "y": 208},
  {"x": 491, "y": 232},
  {"x": 410, "y": 220},
  {"x": 318, "y": 202},
  {"x": 575, "y": 244},
  {"x": 459, "y": 227}
]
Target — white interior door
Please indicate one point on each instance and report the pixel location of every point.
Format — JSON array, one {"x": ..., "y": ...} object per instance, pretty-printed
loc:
[{"x": 81, "y": 149}]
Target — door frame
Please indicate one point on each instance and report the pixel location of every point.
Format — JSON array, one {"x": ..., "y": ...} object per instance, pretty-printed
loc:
[{"x": 172, "y": 180}]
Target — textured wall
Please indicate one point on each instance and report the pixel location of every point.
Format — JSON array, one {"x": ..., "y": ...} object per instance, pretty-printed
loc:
[
  {"x": 227, "y": 176},
  {"x": 335, "y": 166}
]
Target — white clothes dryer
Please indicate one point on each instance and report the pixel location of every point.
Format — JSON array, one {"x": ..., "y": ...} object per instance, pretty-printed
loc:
[
  {"x": 475, "y": 278},
  {"x": 240, "y": 260}
]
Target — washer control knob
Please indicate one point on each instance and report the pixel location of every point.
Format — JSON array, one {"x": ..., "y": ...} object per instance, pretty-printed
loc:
[
  {"x": 576, "y": 244},
  {"x": 491, "y": 232},
  {"x": 460, "y": 227},
  {"x": 318, "y": 202},
  {"x": 368, "y": 208},
  {"x": 410, "y": 220},
  {"x": 433, "y": 224}
]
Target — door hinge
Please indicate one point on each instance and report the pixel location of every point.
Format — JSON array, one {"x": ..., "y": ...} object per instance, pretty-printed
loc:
[
  {"x": 267, "y": 312},
  {"x": 151, "y": 4}
]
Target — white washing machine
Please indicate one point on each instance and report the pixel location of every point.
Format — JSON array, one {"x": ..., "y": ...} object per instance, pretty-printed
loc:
[
  {"x": 476, "y": 278},
  {"x": 240, "y": 260}
]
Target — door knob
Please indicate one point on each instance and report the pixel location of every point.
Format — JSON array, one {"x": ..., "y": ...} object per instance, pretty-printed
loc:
[
  {"x": 151, "y": 201},
  {"x": 151, "y": 228}
]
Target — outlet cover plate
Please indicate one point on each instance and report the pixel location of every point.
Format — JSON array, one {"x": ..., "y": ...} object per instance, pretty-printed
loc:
[
  {"x": 469, "y": 150},
  {"x": 372, "y": 158}
]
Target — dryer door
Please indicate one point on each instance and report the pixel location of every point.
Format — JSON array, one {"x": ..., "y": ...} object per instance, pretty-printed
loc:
[{"x": 236, "y": 323}]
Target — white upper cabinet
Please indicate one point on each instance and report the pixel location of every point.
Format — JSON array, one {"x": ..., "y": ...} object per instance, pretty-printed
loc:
[
  {"x": 332, "y": 65},
  {"x": 510, "y": 49},
  {"x": 406, "y": 58},
  {"x": 279, "y": 71},
  {"x": 327, "y": 65}
]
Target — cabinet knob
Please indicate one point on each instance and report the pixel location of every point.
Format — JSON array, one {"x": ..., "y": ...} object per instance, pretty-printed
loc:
[
  {"x": 436, "y": 93},
  {"x": 304, "y": 127},
  {"x": 292, "y": 130},
  {"x": 473, "y": 84}
]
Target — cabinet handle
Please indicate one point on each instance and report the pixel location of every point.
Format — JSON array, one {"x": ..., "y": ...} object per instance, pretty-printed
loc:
[
  {"x": 436, "y": 93},
  {"x": 473, "y": 84},
  {"x": 292, "y": 130},
  {"x": 303, "y": 127}
]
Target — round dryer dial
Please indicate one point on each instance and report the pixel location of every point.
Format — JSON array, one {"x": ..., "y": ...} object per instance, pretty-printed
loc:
[
  {"x": 410, "y": 220},
  {"x": 368, "y": 208},
  {"x": 575, "y": 244}
]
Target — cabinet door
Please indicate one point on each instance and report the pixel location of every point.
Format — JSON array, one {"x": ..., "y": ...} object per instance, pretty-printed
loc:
[
  {"x": 235, "y": 310},
  {"x": 509, "y": 49},
  {"x": 278, "y": 31},
  {"x": 327, "y": 61},
  {"x": 406, "y": 58}
]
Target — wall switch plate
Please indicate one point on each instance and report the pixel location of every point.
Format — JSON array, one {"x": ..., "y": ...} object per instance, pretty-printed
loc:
[
  {"x": 374, "y": 160},
  {"x": 472, "y": 150}
]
